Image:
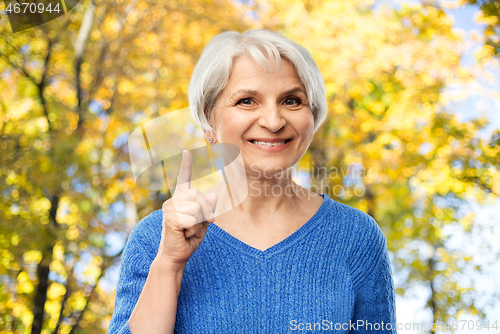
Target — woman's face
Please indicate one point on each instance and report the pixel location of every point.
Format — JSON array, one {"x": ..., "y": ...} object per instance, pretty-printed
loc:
[{"x": 255, "y": 109}]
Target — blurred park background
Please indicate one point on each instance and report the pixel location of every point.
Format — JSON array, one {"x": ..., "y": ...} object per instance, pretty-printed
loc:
[{"x": 413, "y": 90}]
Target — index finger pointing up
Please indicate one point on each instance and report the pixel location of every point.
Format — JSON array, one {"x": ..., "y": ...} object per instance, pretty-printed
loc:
[{"x": 184, "y": 178}]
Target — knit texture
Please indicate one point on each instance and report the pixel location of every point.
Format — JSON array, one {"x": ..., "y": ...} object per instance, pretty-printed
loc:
[{"x": 330, "y": 275}]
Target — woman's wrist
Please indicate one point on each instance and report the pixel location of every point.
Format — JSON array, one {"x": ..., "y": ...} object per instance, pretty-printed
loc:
[
  {"x": 153, "y": 314},
  {"x": 168, "y": 268}
]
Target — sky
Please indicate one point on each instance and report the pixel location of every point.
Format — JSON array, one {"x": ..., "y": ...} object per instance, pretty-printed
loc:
[{"x": 482, "y": 100}]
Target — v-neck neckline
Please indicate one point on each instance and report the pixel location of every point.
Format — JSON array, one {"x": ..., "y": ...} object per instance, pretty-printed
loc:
[{"x": 236, "y": 243}]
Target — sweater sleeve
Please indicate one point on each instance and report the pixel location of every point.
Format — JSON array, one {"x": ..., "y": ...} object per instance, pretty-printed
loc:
[
  {"x": 134, "y": 270},
  {"x": 374, "y": 306}
]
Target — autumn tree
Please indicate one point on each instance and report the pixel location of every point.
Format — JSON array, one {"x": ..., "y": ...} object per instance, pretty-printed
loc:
[
  {"x": 71, "y": 92},
  {"x": 490, "y": 16},
  {"x": 390, "y": 133}
]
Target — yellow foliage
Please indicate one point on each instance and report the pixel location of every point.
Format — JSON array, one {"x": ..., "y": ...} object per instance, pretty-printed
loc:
[
  {"x": 32, "y": 256},
  {"x": 489, "y": 20},
  {"x": 41, "y": 206},
  {"x": 92, "y": 272},
  {"x": 58, "y": 252},
  {"x": 24, "y": 284},
  {"x": 58, "y": 267},
  {"x": 7, "y": 257},
  {"x": 26, "y": 317},
  {"x": 377, "y": 107},
  {"x": 77, "y": 300},
  {"x": 14, "y": 240},
  {"x": 125, "y": 87},
  {"x": 56, "y": 291},
  {"x": 72, "y": 233}
]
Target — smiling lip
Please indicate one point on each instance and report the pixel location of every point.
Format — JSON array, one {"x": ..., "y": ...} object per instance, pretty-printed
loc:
[
  {"x": 268, "y": 140},
  {"x": 271, "y": 148}
]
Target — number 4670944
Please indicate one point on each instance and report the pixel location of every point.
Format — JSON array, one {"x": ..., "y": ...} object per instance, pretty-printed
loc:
[{"x": 31, "y": 8}]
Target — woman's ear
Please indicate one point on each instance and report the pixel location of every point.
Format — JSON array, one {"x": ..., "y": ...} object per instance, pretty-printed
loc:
[{"x": 210, "y": 136}]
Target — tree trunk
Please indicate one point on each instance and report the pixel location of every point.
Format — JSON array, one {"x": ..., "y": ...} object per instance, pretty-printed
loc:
[
  {"x": 41, "y": 291},
  {"x": 371, "y": 201},
  {"x": 432, "y": 300},
  {"x": 43, "y": 275}
]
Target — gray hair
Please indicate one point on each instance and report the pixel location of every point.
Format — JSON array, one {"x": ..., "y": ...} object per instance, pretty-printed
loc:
[{"x": 212, "y": 71}]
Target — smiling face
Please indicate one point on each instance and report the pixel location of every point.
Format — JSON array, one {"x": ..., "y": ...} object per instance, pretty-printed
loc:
[{"x": 267, "y": 117}]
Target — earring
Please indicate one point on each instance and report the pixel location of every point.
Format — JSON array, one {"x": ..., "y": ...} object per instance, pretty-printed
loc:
[{"x": 211, "y": 140}]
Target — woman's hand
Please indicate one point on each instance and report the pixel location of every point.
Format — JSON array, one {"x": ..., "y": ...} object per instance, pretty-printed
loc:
[{"x": 185, "y": 219}]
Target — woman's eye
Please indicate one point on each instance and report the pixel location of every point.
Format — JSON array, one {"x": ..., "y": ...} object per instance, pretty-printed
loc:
[
  {"x": 246, "y": 101},
  {"x": 290, "y": 101}
]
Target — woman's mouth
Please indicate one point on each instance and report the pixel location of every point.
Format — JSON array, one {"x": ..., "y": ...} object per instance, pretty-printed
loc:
[
  {"x": 270, "y": 146},
  {"x": 263, "y": 143}
]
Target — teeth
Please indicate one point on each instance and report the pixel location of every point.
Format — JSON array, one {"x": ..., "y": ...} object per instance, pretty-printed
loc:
[{"x": 268, "y": 144}]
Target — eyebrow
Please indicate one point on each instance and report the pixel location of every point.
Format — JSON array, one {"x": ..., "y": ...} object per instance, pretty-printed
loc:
[
  {"x": 294, "y": 90},
  {"x": 254, "y": 92},
  {"x": 245, "y": 91}
]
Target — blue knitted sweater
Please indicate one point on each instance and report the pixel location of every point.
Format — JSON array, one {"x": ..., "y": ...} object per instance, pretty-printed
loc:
[{"x": 331, "y": 275}]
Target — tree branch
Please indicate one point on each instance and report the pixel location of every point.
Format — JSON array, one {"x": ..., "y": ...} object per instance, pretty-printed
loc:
[
  {"x": 18, "y": 67},
  {"x": 4, "y": 108},
  {"x": 80, "y": 44},
  {"x": 41, "y": 85},
  {"x": 79, "y": 48}
]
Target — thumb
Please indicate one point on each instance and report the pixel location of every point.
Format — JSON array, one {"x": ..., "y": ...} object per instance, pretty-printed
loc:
[{"x": 212, "y": 199}]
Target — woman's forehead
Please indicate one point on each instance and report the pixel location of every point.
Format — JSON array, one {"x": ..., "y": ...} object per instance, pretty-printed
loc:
[
  {"x": 246, "y": 71},
  {"x": 246, "y": 63}
]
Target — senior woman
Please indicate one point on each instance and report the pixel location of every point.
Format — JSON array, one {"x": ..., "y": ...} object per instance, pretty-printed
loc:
[{"x": 280, "y": 261}]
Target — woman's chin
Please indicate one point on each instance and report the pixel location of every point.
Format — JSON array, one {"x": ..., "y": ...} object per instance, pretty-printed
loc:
[{"x": 268, "y": 170}]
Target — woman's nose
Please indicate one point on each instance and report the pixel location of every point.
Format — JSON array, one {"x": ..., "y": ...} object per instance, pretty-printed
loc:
[{"x": 272, "y": 119}]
